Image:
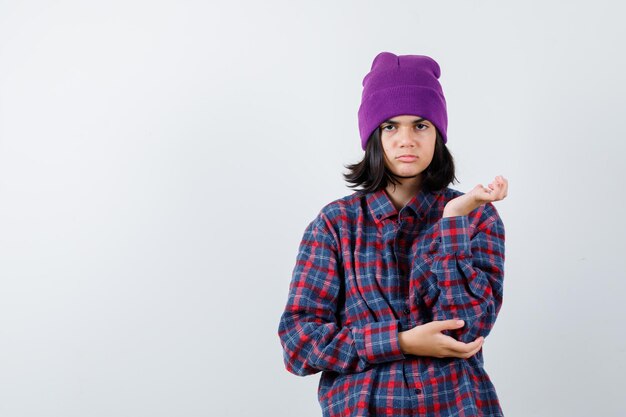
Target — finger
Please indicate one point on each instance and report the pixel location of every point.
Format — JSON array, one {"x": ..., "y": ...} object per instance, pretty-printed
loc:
[
  {"x": 463, "y": 351},
  {"x": 485, "y": 192},
  {"x": 479, "y": 347},
  {"x": 505, "y": 186},
  {"x": 498, "y": 194},
  {"x": 473, "y": 352},
  {"x": 499, "y": 187},
  {"x": 461, "y": 348},
  {"x": 479, "y": 189},
  {"x": 448, "y": 324},
  {"x": 502, "y": 189},
  {"x": 491, "y": 193},
  {"x": 495, "y": 185}
]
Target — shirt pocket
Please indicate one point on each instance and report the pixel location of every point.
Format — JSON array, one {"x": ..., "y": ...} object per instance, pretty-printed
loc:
[{"x": 424, "y": 281}]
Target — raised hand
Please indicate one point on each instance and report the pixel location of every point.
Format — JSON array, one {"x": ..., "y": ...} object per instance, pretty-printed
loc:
[{"x": 479, "y": 195}]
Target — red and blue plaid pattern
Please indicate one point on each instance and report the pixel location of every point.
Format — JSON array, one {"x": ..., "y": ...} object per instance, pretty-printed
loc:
[{"x": 366, "y": 271}]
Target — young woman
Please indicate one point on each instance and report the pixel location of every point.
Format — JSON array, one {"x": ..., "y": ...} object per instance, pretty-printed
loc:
[{"x": 397, "y": 285}]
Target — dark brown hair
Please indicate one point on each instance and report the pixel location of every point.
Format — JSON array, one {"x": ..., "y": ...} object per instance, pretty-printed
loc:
[{"x": 372, "y": 175}]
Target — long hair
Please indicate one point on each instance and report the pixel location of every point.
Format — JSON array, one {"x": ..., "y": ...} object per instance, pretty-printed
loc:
[{"x": 372, "y": 175}]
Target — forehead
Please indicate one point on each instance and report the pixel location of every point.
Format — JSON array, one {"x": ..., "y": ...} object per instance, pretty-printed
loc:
[{"x": 407, "y": 118}]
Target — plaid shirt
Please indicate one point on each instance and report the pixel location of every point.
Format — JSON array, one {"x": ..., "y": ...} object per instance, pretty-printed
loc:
[{"x": 366, "y": 271}]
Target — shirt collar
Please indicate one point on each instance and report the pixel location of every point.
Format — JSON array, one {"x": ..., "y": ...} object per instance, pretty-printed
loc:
[{"x": 381, "y": 207}]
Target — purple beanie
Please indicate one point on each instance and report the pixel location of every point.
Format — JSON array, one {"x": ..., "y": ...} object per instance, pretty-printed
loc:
[{"x": 398, "y": 85}]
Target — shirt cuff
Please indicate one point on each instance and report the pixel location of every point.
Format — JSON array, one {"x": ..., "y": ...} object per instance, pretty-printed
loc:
[
  {"x": 379, "y": 342},
  {"x": 454, "y": 234}
]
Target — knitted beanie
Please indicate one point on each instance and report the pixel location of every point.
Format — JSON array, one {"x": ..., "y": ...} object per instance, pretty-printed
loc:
[{"x": 398, "y": 85}]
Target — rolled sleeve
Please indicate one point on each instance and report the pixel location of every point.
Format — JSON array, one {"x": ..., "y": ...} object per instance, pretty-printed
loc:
[
  {"x": 378, "y": 342},
  {"x": 469, "y": 273},
  {"x": 454, "y": 235}
]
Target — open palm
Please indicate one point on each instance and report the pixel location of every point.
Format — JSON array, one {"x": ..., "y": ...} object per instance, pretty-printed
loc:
[
  {"x": 479, "y": 195},
  {"x": 495, "y": 191}
]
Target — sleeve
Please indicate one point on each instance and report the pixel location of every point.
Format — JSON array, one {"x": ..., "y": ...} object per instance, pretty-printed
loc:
[
  {"x": 469, "y": 275},
  {"x": 310, "y": 335}
]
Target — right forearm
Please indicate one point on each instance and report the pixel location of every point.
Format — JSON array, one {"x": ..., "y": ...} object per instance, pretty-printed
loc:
[
  {"x": 311, "y": 345},
  {"x": 428, "y": 340}
]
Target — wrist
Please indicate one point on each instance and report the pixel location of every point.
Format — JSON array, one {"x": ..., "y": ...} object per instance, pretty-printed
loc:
[
  {"x": 402, "y": 342},
  {"x": 452, "y": 212},
  {"x": 458, "y": 208}
]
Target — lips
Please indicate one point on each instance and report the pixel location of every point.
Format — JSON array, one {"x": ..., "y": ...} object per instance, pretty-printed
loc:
[{"x": 407, "y": 158}]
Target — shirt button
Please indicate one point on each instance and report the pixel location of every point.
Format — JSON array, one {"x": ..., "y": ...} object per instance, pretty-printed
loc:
[
  {"x": 418, "y": 391},
  {"x": 407, "y": 311}
]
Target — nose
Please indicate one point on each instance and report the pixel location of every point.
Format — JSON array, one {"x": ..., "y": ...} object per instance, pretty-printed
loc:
[{"x": 405, "y": 137}]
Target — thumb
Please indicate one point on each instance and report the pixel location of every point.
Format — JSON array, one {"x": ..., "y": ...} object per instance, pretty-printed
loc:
[{"x": 452, "y": 324}]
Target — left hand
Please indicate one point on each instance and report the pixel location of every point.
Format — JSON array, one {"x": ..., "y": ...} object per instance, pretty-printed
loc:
[{"x": 479, "y": 195}]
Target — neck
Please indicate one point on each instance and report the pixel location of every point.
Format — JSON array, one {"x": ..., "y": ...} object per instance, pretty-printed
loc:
[{"x": 405, "y": 191}]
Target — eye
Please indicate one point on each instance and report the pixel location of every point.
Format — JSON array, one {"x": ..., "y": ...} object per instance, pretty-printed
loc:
[
  {"x": 422, "y": 124},
  {"x": 386, "y": 126}
]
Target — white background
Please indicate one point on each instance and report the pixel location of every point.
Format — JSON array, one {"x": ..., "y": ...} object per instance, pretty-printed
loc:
[{"x": 159, "y": 161}]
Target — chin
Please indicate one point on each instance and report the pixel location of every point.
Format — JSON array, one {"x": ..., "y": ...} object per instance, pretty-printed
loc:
[
  {"x": 409, "y": 176},
  {"x": 409, "y": 173}
]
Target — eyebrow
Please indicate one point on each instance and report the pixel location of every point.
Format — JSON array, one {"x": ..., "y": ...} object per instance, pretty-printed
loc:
[{"x": 393, "y": 122}]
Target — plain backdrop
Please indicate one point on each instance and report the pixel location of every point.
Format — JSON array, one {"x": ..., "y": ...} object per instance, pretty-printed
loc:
[{"x": 159, "y": 161}]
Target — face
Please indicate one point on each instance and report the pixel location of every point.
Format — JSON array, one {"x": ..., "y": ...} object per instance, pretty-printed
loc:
[{"x": 409, "y": 144}]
